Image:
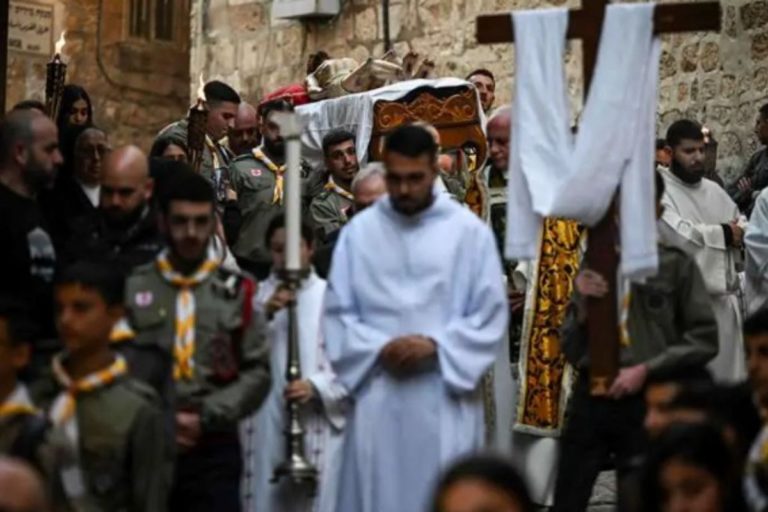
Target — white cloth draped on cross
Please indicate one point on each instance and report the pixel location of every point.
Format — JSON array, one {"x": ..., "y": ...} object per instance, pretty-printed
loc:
[{"x": 554, "y": 173}]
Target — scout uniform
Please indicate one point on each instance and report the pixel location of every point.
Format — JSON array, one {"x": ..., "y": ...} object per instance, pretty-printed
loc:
[
  {"x": 331, "y": 208},
  {"x": 22, "y": 427},
  {"x": 669, "y": 324},
  {"x": 215, "y": 162},
  {"x": 259, "y": 184},
  {"x": 107, "y": 444},
  {"x": 205, "y": 322},
  {"x": 220, "y": 360}
]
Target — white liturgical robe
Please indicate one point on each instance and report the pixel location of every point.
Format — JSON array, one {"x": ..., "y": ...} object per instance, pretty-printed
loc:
[
  {"x": 756, "y": 264},
  {"x": 437, "y": 274},
  {"x": 692, "y": 221},
  {"x": 323, "y": 418}
]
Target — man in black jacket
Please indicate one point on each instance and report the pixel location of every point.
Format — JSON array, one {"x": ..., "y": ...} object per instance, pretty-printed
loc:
[
  {"x": 755, "y": 176},
  {"x": 125, "y": 226}
]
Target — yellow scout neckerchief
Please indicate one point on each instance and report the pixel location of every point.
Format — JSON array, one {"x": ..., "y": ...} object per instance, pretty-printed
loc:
[
  {"x": 184, "y": 343},
  {"x": 277, "y": 170}
]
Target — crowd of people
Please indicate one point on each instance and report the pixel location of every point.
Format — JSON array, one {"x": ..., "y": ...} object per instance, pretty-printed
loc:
[{"x": 145, "y": 324}]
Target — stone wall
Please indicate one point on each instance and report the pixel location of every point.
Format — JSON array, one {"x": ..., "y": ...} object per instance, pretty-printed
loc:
[
  {"x": 719, "y": 79},
  {"x": 137, "y": 86}
]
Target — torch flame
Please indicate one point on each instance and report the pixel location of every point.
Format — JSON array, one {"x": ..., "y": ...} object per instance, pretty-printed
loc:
[
  {"x": 201, "y": 89},
  {"x": 61, "y": 42}
]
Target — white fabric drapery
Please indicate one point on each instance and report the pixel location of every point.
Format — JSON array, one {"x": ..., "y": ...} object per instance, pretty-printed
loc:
[{"x": 553, "y": 173}]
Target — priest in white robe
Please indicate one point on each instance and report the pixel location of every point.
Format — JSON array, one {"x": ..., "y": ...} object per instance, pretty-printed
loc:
[
  {"x": 323, "y": 397},
  {"x": 416, "y": 309},
  {"x": 701, "y": 219},
  {"x": 756, "y": 251}
]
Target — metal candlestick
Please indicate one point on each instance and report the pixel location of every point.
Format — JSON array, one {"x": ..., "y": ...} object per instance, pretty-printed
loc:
[
  {"x": 296, "y": 467},
  {"x": 197, "y": 124},
  {"x": 55, "y": 76}
]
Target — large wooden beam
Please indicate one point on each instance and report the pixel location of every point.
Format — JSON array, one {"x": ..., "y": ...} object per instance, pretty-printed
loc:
[{"x": 668, "y": 18}]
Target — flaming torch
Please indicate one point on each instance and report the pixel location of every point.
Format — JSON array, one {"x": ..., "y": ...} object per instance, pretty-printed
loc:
[
  {"x": 56, "y": 75},
  {"x": 198, "y": 121}
]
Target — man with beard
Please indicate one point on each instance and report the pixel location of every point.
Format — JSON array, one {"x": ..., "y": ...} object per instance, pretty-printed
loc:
[
  {"x": 332, "y": 208},
  {"x": 244, "y": 135},
  {"x": 29, "y": 156},
  {"x": 125, "y": 226},
  {"x": 702, "y": 220},
  {"x": 755, "y": 177},
  {"x": 200, "y": 314},
  {"x": 412, "y": 345},
  {"x": 258, "y": 180}
]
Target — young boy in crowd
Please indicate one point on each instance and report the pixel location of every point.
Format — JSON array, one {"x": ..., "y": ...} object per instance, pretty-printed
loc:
[
  {"x": 322, "y": 398},
  {"x": 22, "y": 426},
  {"x": 107, "y": 446}
]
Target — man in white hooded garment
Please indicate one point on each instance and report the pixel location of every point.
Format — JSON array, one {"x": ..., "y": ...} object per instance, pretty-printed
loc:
[{"x": 415, "y": 311}]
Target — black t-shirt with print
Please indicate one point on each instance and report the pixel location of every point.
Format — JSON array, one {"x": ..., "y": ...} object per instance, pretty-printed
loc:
[{"x": 27, "y": 259}]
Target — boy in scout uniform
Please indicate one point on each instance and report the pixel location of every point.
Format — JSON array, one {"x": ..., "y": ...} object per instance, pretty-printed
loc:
[
  {"x": 201, "y": 314},
  {"x": 107, "y": 447},
  {"x": 332, "y": 208},
  {"x": 22, "y": 426},
  {"x": 258, "y": 181}
]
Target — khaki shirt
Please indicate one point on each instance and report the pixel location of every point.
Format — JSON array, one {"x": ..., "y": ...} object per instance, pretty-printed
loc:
[
  {"x": 255, "y": 184},
  {"x": 671, "y": 322},
  {"x": 123, "y": 450},
  {"x": 231, "y": 357},
  {"x": 329, "y": 211}
]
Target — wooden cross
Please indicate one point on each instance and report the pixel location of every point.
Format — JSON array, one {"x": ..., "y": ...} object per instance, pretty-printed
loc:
[{"x": 602, "y": 256}]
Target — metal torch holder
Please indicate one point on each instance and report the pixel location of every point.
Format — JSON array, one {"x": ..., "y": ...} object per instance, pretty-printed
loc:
[
  {"x": 196, "y": 128},
  {"x": 296, "y": 467},
  {"x": 55, "y": 77}
]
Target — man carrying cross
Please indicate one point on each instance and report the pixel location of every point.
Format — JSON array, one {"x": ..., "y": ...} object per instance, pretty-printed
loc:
[{"x": 557, "y": 178}]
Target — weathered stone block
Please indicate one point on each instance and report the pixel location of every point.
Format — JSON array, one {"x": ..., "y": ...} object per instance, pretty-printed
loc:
[
  {"x": 247, "y": 17},
  {"x": 366, "y": 25},
  {"x": 731, "y": 25},
  {"x": 745, "y": 114},
  {"x": 709, "y": 89},
  {"x": 667, "y": 66},
  {"x": 730, "y": 145},
  {"x": 710, "y": 56},
  {"x": 760, "y": 79},
  {"x": 720, "y": 114},
  {"x": 689, "y": 58},
  {"x": 728, "y": 86},
  {"x": 760, "y": 46},
  {"x": 754, "y": 14}
]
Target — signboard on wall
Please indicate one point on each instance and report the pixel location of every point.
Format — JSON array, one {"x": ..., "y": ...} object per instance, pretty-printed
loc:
[{"x": 30, "y": 27}]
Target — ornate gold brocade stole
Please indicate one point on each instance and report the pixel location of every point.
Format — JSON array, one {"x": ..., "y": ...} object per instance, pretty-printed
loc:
[{"x": 544, "y": 373}]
